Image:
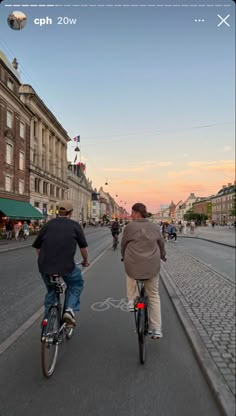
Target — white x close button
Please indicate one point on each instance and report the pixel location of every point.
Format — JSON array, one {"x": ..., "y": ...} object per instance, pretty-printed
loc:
[{"x": 223, "y": 20}]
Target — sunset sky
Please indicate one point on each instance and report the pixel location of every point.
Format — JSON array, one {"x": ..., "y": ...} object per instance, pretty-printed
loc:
[{"x": 149, "y": 90}]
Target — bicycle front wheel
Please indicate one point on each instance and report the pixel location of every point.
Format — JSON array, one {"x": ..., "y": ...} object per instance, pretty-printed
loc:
[
  {"x": 141, "y": 327},
  {"x": 49, "y": 342}
]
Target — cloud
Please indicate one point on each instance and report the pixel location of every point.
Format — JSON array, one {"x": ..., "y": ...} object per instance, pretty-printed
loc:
[
  {"x": 137, "y": 169},
  {"x": 130, "y": 182},
  {"x": 165, "y": 163},
  {"x": 214, "y": 166},
  {"x": 227, "y": 148},
  {"x": 147, "y": 164},
  {"x": 186, "y": 187},
  {"x": 155, "y": 164},
  {"x": 181, "y": 173}
]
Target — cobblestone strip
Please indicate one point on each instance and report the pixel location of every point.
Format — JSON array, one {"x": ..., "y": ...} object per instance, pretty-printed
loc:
[{"x": 210, "y": 303}]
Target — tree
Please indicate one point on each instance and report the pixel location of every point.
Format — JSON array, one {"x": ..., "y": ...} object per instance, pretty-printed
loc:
[{"x": 194, "y": 216}]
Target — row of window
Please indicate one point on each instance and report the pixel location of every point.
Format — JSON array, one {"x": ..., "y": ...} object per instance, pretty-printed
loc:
[
  {"x": 48, "y": 189},
  {"x": 37, "y": 205},
  {"x": 224, "y": 207},
  {"x": 10, "y": 121},
  {"x": 9, "y": 182},
  {"x": 224, "y": 198},
  {"x": 51, "y": 138},
  {"x": 10, "y": 156}
]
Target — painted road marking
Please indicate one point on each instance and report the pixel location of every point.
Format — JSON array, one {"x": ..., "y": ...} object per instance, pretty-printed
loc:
[{"x": 23, "y": 328}]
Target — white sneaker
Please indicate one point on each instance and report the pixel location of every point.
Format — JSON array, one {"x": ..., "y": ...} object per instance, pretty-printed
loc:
[
  {"x": 69, "y": 317},
  {"x": 156, "y": 334},
  {"x": 130, "y": 305}
]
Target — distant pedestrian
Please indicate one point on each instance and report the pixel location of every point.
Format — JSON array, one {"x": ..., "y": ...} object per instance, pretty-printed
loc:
[
  {"x": 164, "y": 231},
  {"x": 9, "y": 229},
  {"x": 25, "y": 228},
  {"x": 174, "y": 233},
  {"x": 169, "y": 231},
  {"x": 17, "y": 227},
  {"x": 192, "y": 227},
  {"x": 185, "y": 227},
  {"x": 84, "y": 224},
  {"x": 161, "y": 227}
]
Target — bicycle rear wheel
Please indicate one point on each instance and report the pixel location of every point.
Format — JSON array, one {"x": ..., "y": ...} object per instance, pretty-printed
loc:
[
  {"x": 141, "y": 327},
  {"x": 49, "y": 342}
]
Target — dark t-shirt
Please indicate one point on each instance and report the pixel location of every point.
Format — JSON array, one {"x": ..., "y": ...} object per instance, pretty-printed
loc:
[
  {"x": 57, "y": 241},
  {"x": 115, "y": 227}
]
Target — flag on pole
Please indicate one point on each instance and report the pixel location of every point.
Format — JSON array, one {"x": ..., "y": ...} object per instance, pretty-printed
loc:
[{"x": 76, "y": 139}]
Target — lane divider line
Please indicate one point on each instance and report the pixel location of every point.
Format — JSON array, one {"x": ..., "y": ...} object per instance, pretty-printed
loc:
[{"x": 23, "y": 328}]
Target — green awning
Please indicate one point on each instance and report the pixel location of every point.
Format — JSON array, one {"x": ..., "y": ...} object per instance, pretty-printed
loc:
[{"x": 19, "y": 210}]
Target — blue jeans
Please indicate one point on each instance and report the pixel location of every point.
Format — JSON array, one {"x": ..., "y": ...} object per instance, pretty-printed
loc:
[{"x": 75, "y": 285}]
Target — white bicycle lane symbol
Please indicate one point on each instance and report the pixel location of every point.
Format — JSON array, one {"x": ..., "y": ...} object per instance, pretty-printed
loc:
[{"x": 110, "y": 303}]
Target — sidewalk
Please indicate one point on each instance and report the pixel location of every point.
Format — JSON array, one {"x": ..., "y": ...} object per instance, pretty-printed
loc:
[
  {"x": 205, "y": 303},
  {"x": 220, "y": 235},
  {"x": 10, "y": 245}
]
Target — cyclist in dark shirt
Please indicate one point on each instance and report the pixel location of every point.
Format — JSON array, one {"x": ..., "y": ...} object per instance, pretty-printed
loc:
[
  {"x": 115, "y": 230},
  {"x": 56, "y": 246}
]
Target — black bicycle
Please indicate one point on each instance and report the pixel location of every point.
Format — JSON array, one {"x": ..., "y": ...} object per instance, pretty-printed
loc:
[
  {"x": 54, "y": 330},
  {"x": 115, "y": 242},
  {"x": 141, "y": 319}
]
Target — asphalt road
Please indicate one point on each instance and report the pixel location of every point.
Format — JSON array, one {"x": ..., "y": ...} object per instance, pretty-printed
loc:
[
  {"x": 22, "y": 289},
  {"x": 217, "y": 257},
  {"x": 98, "y": 371}
]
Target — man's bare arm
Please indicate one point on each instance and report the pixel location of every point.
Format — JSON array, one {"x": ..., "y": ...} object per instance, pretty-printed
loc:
[{"x": 84, "y": 253}]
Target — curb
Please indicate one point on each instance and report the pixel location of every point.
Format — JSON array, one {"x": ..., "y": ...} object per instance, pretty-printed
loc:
[
  {"x": 5, "y": 250},
  {"x": 206, "y": 239},
  {"x": 223, "y": 395}
]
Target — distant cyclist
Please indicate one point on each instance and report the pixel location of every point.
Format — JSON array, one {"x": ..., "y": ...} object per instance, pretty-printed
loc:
[
  {"x": 56, "y": 246},
  {"x": 115, "y": 230}
]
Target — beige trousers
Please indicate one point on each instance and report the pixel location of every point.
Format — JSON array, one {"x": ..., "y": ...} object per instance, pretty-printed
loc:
[{"x": 152, "y": 290}]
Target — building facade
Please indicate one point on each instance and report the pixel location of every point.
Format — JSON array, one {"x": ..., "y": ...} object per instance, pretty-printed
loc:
[
  {"x": 80, "y": 193},
  {"x": 15, "y": 121},
  {"x": 203, "y": 206},
  {"x": 222, "y": 204},
  {"x": 48, "y": 154},
  {"x": 95, "y": 207},
  {"x": 184, "y": 207}
]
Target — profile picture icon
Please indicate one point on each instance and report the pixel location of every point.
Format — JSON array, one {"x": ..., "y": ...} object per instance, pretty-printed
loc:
[{"x": 17, "y": 20}]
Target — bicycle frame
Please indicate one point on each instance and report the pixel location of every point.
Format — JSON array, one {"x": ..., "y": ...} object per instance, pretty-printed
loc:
[
  {"x": 59, "y": 286},
  {"x": 115, "y": 241},
  {"x": 54, "y": 330}
]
